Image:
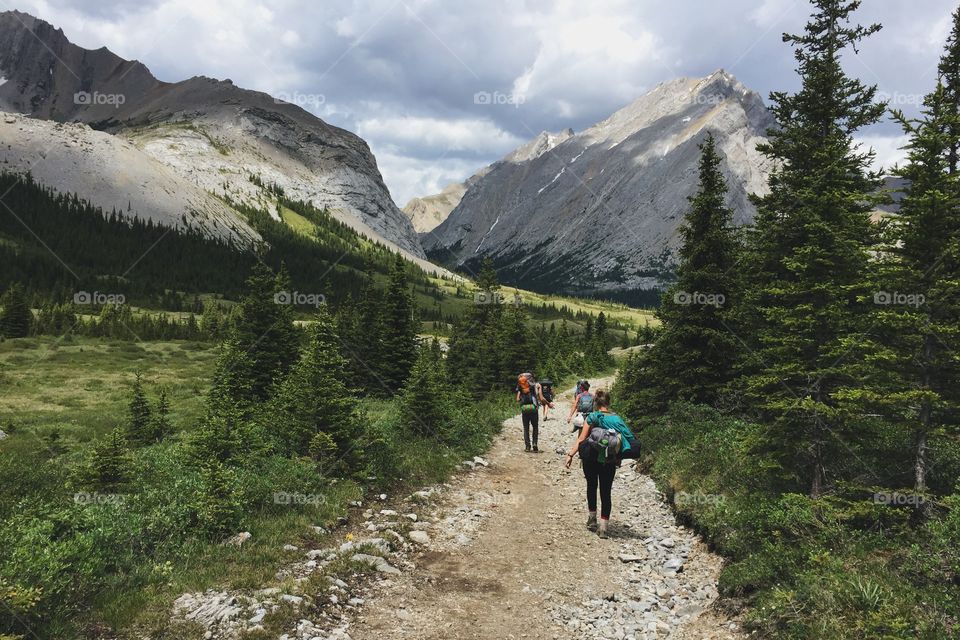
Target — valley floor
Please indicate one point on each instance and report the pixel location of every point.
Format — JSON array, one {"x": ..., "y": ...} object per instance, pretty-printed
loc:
[{"x": 502, "y": 552}]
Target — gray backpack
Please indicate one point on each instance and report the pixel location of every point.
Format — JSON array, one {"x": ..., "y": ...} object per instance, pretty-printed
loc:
[{"x": 605, "y": 443}]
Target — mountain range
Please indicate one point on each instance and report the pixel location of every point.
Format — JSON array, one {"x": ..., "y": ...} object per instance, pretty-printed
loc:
[
  {"x": 598, "y": 212},
  {"x": 589, "y": 213},
  {"x": 182, "y": 152}
]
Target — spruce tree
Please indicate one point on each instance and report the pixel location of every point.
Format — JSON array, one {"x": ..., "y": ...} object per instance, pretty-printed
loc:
[
  {"x": 111, "y": 461},
  {"x": 696, "y": 354},
  {"x": 314, "y": 400},
  {"x": 399, "y": 330},
  {"x": 161, "y": 417},
  {"x": 264, "y": 330},
  {"x": 807, "y": 259},
  {"x": 425, "y": 405},
  {"x": 15, "y": 315},
  {"x": 473, "y": 359},
  {"x": 922, "y": 269},
  {"x": 140, "y": 425},
  {"x": 949, "y": 72},
  {"x": 514, "y": 344}
]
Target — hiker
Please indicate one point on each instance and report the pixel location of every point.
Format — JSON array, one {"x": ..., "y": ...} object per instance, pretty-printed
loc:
[
  {"x": 530, "y": 397},
  {"x": 546, "y": 392},
  {"x": 604, "y": 441},
  {"x": 582, "y": 405}
]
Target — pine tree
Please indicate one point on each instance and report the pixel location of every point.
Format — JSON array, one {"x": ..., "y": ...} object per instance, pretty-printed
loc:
[
  {"x": 923, "y": 264},
  {"x": 399, "y": 330},
  {"x": 140, "y": 425},
  {"x": 15, "y": 316},
  {"x": 514, "y": 345},
  {"x": 425, "y": 405},
  {"x": 264, "y": 330},
  {"x": 161, "y": 417},
  {"x": 215, "y": 505},
  {"x": 314, "y": 400},
  {"x": 697, "y": 352},
  {"x": 807, "y": 258},
  {"x": 949, "y": 71},
  {"x": 111, "y": 461}
]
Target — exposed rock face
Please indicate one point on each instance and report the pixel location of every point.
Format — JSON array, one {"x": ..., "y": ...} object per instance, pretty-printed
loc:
[
  {"x": 113, "y": 174},
  {"x": 428, "y": 212},
  {"x": 599, "y": 213},
  {"x": 212, "y": 133}
]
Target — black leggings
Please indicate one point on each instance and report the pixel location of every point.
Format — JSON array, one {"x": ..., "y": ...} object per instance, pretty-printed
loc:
[
  {"x": 602, "y": 474},
  {"x": 531, "y": 418}
]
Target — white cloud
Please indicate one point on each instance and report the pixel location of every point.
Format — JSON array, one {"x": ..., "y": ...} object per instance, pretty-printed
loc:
[
  {"x": 473, "y": 135},
  {"x": 403, "y": 75},
  {"x": 888, "y": 150},
  {"x": 410, "y": 177}
]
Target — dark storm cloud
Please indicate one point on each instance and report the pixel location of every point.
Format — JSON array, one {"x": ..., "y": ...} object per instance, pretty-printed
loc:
[{"x": 406, "y": 74}]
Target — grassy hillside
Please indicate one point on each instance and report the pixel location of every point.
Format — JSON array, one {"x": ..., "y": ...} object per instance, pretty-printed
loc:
[{"x": 48, "y": 251}]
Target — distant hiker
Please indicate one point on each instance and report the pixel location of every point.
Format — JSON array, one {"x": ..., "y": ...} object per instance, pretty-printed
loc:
[
  {"x": 582, "y": 404},
  {"x": 546, "y": 391},
  {"x": 530, "y": 398},
  {"x": 604, "y": 441}
]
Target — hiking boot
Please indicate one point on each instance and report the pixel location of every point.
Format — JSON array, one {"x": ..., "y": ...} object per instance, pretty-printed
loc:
[
  {"x": 602, "y": 531},
  {"x": 535, "y": 450},
  {"x": 527, "y": 449},
  {"x": 592, "y": 522}
]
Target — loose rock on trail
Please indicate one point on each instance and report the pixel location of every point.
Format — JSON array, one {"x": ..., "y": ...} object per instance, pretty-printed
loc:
[{"x": 502, "y": 551}]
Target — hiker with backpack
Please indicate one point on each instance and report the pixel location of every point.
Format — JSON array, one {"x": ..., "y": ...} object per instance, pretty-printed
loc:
[
  {"x": 582, "y": 404},
  {"x": 546, "y": 391},
  {"x": 530, "y": 397},
  {"x": 604, "y": 441}
]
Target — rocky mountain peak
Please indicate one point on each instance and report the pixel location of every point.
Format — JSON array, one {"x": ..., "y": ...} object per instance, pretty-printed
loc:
[
  {"x": 210, "y": 132},
  {"x": 625, "y": 179}
]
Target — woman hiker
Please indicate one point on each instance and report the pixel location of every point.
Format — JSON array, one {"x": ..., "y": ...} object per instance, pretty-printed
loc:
[{"x": 600, "y": 473}]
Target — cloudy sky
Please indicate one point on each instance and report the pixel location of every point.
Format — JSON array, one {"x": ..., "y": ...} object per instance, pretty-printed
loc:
[{"x": 440, "y": 88}]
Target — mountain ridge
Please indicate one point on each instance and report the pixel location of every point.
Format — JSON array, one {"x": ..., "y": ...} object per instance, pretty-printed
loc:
[
  {"x": 624, "y": 181},
  {"x": 210, "y": 132}
]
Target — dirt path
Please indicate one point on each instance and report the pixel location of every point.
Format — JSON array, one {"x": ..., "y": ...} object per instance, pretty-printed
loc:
[{"x": 510, "y": 557}]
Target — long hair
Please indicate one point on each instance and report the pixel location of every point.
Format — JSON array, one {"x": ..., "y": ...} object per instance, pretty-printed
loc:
[{"x": 602, "y": 398}]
